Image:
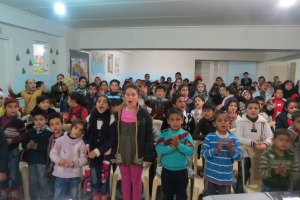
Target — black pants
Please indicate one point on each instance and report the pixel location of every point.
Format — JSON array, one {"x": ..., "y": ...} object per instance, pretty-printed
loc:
[{"x": 174, "y": 183}]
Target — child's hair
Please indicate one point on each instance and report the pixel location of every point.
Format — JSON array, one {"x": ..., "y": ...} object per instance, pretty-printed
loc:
[
  {"x": 252, "y": 101},
  {"x": 103, "y": 82},
  {"x": 42, "y": 98},
  {"x": 39, "y": 111},
  {"x": 92, "y": 85},
  {"x": 175, "y": 111},
  {"x": 187, "y": 80},
  {"x": 182, "y": 86},
  {"x": 114, "y": 80},
  {"x": 255, "y": 82},
  {"x": 175, "y": 98},
  {"x": 83, "y": 78},
  {"x": 198, "y": 96},
  {"x": 107, "y": 99},
  {"x": 39, "y": 84},
  {"x": 27, "y": 81},
  {"x": 56, "y": 115},
  {"x": 209, "y": 106},
  {"x": 232, "y": 101},
  {"x": 295, "y": 115},
  {"x": 230, "y": 90},
  {"x": 79, "y": 98},
  {"x": 277, "y": 90},
  {"x": 160, "y": 87},
  {"x": 133, "y": 87},
  {"x": 220, "y": 112},
  {"x": 282, "y": 131},
  {"x": 287, "y": 103},
  {"x": 78, "y": 121},
  {"x": 259, "y": 98},
  {"x": 178, "y": 73}
]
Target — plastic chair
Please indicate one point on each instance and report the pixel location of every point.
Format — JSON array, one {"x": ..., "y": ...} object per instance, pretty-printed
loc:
[
  {"x": 23, "y": 166},
  {"x": 157, "y": 123},
  {"x": 66, "y": 127},
  {"x": 198, "y": 181},
  {"x": 272, "y": 124},
  {"x": 232, "y": 131},
  {"x": 117, "y": 177},
  {"x": 255, "y": 181}
]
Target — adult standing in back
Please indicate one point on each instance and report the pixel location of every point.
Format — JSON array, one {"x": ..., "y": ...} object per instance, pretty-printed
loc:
[
  {"x": 56, "y": 90},
  {"x": 246, "y": 81}
]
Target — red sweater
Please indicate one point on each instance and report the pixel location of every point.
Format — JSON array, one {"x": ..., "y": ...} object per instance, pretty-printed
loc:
[
  {"x": 278, "y": 106},
  {"x": 79, "y": 112}
]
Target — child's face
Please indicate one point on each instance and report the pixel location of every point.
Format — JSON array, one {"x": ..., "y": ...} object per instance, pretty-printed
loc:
[
  {"x": 131, "y": 97},
  {"x": 200, "y": 88},
  {"x": 45, "y": 105},
  {"x": 92, "y": 90},
  {"x": 292, "y": 107},
  {"x": 261, "y": 104},
  {"x": 264, "y": 87},
  {"x": 42, "y": 87},
  {"x": 232, "y": 108},
  {"x": 82, "y": 83},
  {"x": 219, "y": 81},
  {"x": 1, "y": 100},
  {"x": 279, "y": 93},
  {"x": 102, "y": 104},
  {"x": 246, "y": 75},
  {"x": 175, "y": 121},
  {"x": 222, "y": 123},
  {"x": 252, "y": 110},
  {"x": 178, "y": 82},
  {"x": 255, "y": 84},
  {"x": 208, "y": 114},
  {"x": 184, "y": 91},
  {"x": 236, "y": 80},
  {"x": 198, "y": 103},
  {"x": 180, "y": 103},
  {"x": 288, "y": 86},
  {"x": 222, "y": 91},
  {"x": 59, "y": 79},
  {"x": 97, "y": 81},
  {"x": 104, "y": 86},
  {"x": 296, "y": 123},
  {"x": 247, "y": 96},
  {"x": 76, "y": 130},
  {"x": 282, "y": 142},
  {"x": 153, "y": 89},
  {"x": 11, "y": 109},
  {"x": 75, "y": 80},
  {"x": 160, "y": 93},
  {"x": 55, "y": 125},
  {"x": 114, "y": 87},
  {"x": 39, "y": 121},
  {"x": 64, "y": 87},
  {"x": 31, "y": 85},
  {"x": 71, "y": 102}
]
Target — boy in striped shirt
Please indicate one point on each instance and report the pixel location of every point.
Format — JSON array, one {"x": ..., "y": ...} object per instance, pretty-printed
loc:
[{"x": 220, "y": 149}]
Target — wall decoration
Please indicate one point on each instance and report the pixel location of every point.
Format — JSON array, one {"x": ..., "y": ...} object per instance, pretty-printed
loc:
[
  {"x": 27, "y": 51},
  {"x": 110, "y": 68},
  {"x": 97, "y": 64},
  {"x": 39, "y": 63},
  {"x": 117, "y": 66},
  {"x": 30, "y": 63},
  {"x": 57, "y": 52},
  {"x": 18, "y": 58},
  {"x": 51, "y": 51},
  {"x": 23, "y": 71},
  {"x": 39, "y": 70},
  {"x": 53, "y": 62},
  {"x": 79, "y": 64}
]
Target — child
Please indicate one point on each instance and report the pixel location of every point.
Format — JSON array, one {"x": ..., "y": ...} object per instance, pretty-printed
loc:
[
  {"x": 97, "y": 82},
  {"x": 29, "y": 95},
  {"x": 289, "y": 90},
  {"x": 113, "y": 95},
  {"x": 174, "y": 145},
  {"x": 284, "y": 119},
  {"x": 220, "y": 149},
  {"x": 77, "y": 108},
  {"x": 218, "y": 98},
  {"x": 201, "y": 90},
  {"x": 205, "y": 125},
  {"x": 99, "y": 140},
  {"x": 252, "y": 130},
  {"x": 15, "y": 132},
  {"x": 262, "y": 92},
  {"x": 262, "y": 107},
  {"x": 91, "y": 97},
  {"x": 278, "y": 163},
  {"x": 40, "y": 85},
  {"x": 160, "y": 105},
  {"x": 276, "y": 103},
  {"x": 67, "y": 88},
  {"x": 1, "y": 102},
  {"x": 232, "y": 110},
  {"x": 197, "y": 112},
  {"x": 3, "y": 163},
  {"x": 134, "y": 144},
  {"x": 184, "y": 91},
  {"x": 103, "y": 87},
  {"x": 245, "y": 96},
  {"x": 68, "y": 156},
  {"x": 82, "y": 86},
  {"x": 36, "y": 143}
]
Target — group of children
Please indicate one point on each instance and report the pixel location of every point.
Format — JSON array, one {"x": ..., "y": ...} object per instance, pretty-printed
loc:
[{"x": 109, "y": 127}]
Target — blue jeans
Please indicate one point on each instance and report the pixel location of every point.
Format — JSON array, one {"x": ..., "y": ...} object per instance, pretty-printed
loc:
[
  {"x": 14, "y": 176},
  {"x": 97, "y": 185},
  {"x": 66, "y": 188},
  {"x": 239, "y": 183},
  {"x": 38, "y": 183}
]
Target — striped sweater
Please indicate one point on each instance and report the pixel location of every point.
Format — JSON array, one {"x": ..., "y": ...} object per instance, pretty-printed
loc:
[
  {"x": 270, "y": 161},
  {"x": 219, "y": 164}
]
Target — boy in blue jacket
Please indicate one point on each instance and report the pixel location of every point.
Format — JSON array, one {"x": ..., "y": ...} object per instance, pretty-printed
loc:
[{"x": 174, "y": 145}]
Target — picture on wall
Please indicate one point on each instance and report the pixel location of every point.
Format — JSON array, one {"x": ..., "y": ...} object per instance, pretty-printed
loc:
[
  {"x": 97, "y": 65},
  {"x": 79, "y": 64},
  {"x": 39, "y": 65},
  {"x": 117, "y": 66},
  {"x": 110, "y": 63}
]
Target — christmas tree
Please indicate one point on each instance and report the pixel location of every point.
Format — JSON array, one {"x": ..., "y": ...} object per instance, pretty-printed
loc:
[
  {"x": 27, "y": 51},
  {"x": 57, "y": 52},
  {"x": 23, "y": 71},
  {"x": 53, "y": 62},
  {"x": 51, "y": 51},
  {"x": 30, "y": 63},
  {"x": 17, "y": 58}
]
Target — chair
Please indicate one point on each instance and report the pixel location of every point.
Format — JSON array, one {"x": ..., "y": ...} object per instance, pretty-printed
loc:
[
  {"x": 255, "y": 181},
  {"x": 272, "y": 124},
  {"x": 23, "y": 166},
  {"x": 198, "y": 181},
  {"x": 66, "y": 127},
  {"x": 117, "y": 177},
  {"x": 232, "y": 131},
  {"x": 157, "y": 123}
]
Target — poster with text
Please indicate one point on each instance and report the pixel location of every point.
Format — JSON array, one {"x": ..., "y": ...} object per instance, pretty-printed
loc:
[{"x": 110, "y": 68}]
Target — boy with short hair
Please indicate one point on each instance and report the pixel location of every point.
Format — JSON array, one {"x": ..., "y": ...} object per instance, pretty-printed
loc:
[
  {"x": 113, "y": 94},
  {"x": 175, "y": 145},
  {"x": 262, "y": 107},
  {"x": 36, "y": 142},
  {"x": 278, "y": 163},
  {"x": 15, "y": 132},
  {"x": 160, "y": 104},
  {"x": 91, "y": 97}
]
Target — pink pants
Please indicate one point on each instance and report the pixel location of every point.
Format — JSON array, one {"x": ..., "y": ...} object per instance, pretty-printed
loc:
[{"x": 131, "y": 178}]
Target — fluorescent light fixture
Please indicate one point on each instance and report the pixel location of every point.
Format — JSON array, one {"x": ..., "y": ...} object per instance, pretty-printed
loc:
[
  {"x": 59, "y": 8},
  {"x": 287, "y": 3}
]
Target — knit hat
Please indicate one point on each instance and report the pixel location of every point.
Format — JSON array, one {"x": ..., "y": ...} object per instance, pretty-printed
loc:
[
  {"x": 10, "y": 100},
  {"x": 198, "y": 77},
  {"x": 69, "y": 83},
  {"x": 1, "y": 92},
  {"x": 200, "y": 83}
]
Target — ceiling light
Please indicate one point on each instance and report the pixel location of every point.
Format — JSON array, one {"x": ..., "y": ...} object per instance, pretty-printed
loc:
[
  {"x": 287, "y": 3},
  {"x": 60, "y": 8}
]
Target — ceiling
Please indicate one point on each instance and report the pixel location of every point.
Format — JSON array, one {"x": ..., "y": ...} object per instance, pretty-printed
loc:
[{"x": 83, "y": 14}]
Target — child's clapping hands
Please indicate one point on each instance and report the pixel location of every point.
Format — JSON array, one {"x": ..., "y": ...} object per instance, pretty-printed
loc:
[
  {"x": 281, "y": 170},
  {"x": 175, "y": 141}
]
